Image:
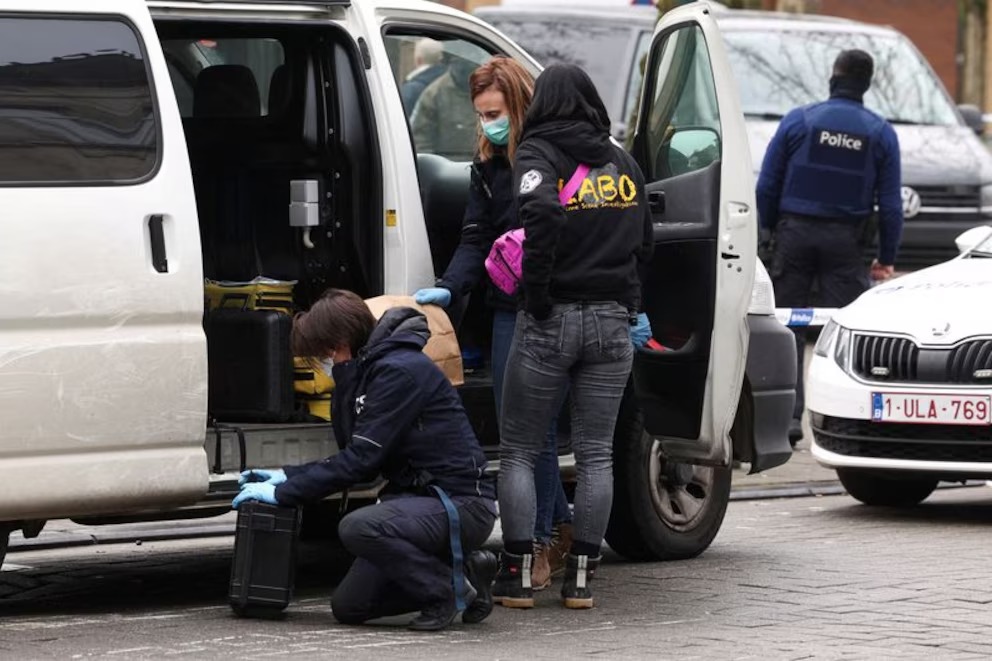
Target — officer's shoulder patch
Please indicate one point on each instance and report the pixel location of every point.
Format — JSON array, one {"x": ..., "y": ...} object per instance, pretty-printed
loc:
[{"x": 531, "y": 180}]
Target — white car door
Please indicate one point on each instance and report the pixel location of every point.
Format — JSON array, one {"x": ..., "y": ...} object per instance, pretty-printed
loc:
[
  {"x": 692, "y": 145},
  {"x": 103, "y": 369}
]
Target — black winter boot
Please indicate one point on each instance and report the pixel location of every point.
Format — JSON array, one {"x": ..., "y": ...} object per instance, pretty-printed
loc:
[
  {"x": 439, "y": 616},
  {"x": 480, "y": 570},
  {"x": 579, "y": 572},
  {"x": 513, "y": 588}
]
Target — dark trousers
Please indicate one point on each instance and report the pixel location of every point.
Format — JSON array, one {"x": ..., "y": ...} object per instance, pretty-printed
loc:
[
  {"x": 403, "y": 554},
  {"x": 821, "y": 250}
]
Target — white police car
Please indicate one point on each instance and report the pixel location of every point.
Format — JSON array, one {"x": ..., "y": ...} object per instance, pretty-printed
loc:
[{"x": 900, "y": 386}]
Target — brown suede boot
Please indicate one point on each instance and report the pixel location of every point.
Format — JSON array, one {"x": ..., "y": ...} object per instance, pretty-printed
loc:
[
  {"x": 540, "y": 573},
  {"x": 561, "y": 542}
]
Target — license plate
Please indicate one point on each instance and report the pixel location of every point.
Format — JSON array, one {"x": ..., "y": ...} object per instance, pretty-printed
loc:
[{"x": 931, "y": 409}]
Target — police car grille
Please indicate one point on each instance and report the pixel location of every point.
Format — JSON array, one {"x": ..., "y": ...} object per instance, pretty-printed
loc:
[
  {"x": 882, "y": 358},
  {"x": 949, "y": 196},
  {"x": 970, "y": 362},
  {"x": 862, "y": 438}
]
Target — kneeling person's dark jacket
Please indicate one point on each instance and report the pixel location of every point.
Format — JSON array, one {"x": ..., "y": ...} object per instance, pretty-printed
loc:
[{"x": 395, "y": 413}]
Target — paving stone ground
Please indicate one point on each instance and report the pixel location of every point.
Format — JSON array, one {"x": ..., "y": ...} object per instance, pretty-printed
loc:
[{"x": 801, "y": 578}]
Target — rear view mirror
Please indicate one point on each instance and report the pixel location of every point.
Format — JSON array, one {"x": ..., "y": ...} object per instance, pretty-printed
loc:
[
  {"x": 966, "y": 241},
  {"x": 691, "y": 149},
  {"x": 972, "y": 117}
]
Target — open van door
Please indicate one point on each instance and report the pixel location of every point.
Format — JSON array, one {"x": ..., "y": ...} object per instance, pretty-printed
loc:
[
  {"x": 103, "y": 367},
  {"x": 692, "y": 145}
]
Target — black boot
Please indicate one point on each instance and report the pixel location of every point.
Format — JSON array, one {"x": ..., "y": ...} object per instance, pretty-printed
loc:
[
  {"x": 480, "y": 570},
  {"x": 439, "y": 616},
  {"x": 512, "y": 588},
  {"x": 579, "y": 571}
]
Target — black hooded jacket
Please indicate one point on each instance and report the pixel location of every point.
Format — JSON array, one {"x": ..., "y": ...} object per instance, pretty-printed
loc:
[
  {"x": 395, "y": 414},
  {"x": 590, "y": 249}
]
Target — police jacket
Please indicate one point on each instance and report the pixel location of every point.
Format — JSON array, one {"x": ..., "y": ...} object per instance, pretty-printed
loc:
[
  {"x": 834, "y": 160},
  {"x": 491, "y": 211},
  {"x": 592, "y": 248},
  {"x": 396, "y": 414}
]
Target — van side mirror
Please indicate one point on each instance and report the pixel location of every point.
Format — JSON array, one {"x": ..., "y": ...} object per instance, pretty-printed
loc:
[
  {"x": 972, "y": 117},
  {"x": 967, "y": 240},
  {"x": 692, "y": 148}
]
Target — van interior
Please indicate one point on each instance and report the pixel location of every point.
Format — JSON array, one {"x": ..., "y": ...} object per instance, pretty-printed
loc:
[{"x": 265, "y": 107}]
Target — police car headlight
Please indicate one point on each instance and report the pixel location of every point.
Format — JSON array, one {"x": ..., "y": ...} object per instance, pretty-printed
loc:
[
  {"x": 987, "y": 199},
  {"x": 762, "y": 292},
  {"x": 834, "y": 340}
]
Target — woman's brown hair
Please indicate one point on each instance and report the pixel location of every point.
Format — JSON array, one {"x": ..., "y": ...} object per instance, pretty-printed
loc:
[
  {"x": 338, "y": 317},
  {"x": 517, "y": 86}
]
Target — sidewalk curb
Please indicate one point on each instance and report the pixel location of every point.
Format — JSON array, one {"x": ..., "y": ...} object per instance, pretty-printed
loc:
[{"x": 794, "y": 490}]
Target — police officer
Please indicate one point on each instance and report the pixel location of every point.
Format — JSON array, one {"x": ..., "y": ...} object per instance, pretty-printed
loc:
[
  {"x": 826, "y": 168},
  {"x": 397, "y": 415}
]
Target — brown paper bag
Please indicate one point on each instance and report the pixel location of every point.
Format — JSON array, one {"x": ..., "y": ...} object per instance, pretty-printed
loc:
[{"x": 442, "y": 347}]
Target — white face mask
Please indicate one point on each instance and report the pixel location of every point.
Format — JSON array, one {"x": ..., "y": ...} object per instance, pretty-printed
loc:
[{"x": 326, "y": 365}]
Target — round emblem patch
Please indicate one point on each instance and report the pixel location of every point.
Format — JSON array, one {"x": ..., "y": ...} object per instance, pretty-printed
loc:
[{"x": 531, "y": 180}]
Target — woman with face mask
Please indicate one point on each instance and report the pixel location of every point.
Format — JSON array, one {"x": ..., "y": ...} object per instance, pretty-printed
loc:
[{"x": 501, "y": 91}]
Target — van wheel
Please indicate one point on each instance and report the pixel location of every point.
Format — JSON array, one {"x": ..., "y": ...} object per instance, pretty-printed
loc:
[
  {"x": 885, "y": 490},
  {"x": 662, "y": 510},
  {"x": 319, "y": 521}
]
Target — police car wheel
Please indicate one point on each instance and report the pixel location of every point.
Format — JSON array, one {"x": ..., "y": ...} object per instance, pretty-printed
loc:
[
  {"x": 662, "y": 510},
  {"x": 882, "y": 490}
]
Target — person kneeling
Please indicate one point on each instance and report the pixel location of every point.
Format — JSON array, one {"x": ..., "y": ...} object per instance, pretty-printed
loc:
[{"x": 396, "y": 414}]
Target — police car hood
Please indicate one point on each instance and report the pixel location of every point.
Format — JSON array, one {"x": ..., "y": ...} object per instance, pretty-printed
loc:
[
  {"x": 938, "y": 305},
  {"x": 931, "y": 155}
]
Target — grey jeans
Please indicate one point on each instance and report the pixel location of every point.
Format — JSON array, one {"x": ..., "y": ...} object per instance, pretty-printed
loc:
[{"x": 587, "y": 346}]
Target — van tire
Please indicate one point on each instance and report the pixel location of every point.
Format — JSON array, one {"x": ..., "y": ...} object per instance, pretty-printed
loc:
[
  {"x": 661, "y": 512},
  {"x": 881, "y": 490}
]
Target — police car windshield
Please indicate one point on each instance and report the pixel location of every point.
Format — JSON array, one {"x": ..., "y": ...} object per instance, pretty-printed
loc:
[{"x": 777, "y": 71}]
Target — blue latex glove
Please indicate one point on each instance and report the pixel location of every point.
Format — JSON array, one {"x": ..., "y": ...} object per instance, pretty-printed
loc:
[
  {"x": 640, "y": 332},
  {"x": 262, "y": 491},
  {"x": 436, "y": 295},
  {"x": 274, "y": 478}
]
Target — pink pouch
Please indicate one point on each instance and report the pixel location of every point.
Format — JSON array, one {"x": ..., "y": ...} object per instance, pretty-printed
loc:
[{"x": 505, "y": 263}]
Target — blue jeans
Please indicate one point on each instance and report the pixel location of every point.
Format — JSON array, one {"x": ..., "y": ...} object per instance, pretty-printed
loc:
[
  {"x": 587, "y": 347},
  {"x": 552, "y": 505}
]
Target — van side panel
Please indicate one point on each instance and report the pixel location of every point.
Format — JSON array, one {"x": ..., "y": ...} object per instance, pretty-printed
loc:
[{"x": 103, "y": 367}]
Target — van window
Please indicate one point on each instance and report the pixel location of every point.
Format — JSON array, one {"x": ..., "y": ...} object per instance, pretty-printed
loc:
[
  {"x": 247, "y": 64},
  {"x": 432, "y": 72},
  {"x": 77, "y": 102},
  {"x": 683, "y": 132}
]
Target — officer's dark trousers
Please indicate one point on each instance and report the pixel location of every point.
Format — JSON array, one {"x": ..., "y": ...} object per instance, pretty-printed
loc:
[
  {"x": 403, "y": 555},
  {"x": 822, "y": 250}
]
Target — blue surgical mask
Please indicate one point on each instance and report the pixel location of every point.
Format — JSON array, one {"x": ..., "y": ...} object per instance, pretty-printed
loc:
[
  {"x": 326, "y": 365},
  {"x": 498, "y": 131}
]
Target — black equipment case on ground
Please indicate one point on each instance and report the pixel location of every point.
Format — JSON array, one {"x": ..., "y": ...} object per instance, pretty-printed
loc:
[
  {"x": 263, "y": 568},
  {"x": 250, "y": 366}
]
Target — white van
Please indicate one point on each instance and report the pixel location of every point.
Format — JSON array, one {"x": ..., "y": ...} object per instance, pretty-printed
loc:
[{"x": 146, "y": 146}]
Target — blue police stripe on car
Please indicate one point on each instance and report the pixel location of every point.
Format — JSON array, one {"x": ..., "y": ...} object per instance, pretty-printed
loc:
[{"x": 803, "y": 317}]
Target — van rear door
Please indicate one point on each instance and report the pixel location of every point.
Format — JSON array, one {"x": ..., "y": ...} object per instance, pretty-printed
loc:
[
  {"x": 103, "y": 367},
  {"x": 691, "y": 143}
]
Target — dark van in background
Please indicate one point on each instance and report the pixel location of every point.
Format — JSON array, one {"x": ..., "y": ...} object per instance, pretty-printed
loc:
[{"x": 782, "y": 61}]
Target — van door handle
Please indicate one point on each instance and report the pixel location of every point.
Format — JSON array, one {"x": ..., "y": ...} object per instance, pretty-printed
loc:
[
  {"x": 155, "y": 231},
  {"x": 656, "y": 201}
]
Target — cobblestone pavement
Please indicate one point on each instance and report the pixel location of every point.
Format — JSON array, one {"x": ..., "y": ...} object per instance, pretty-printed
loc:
[{"x": 797, "y": 578}]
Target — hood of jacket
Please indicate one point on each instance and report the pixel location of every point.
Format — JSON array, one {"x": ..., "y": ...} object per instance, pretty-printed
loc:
[
  {"x": 568, "y": 112},
  {"x": 398, "y": 327}
]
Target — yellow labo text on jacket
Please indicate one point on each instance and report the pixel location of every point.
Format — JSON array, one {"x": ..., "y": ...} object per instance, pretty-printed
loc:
[{"x": 603, "y": 188}]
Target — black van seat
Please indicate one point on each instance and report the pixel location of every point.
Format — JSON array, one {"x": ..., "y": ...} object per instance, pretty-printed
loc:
[
  {"x": 226, "y": 90},
  {"x": 444, "y": 191}
]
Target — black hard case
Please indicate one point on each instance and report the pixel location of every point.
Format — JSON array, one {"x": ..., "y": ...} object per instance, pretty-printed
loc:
[
  {"x": 264, "y": 563},
  {"x": 250, "y": 366}
]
